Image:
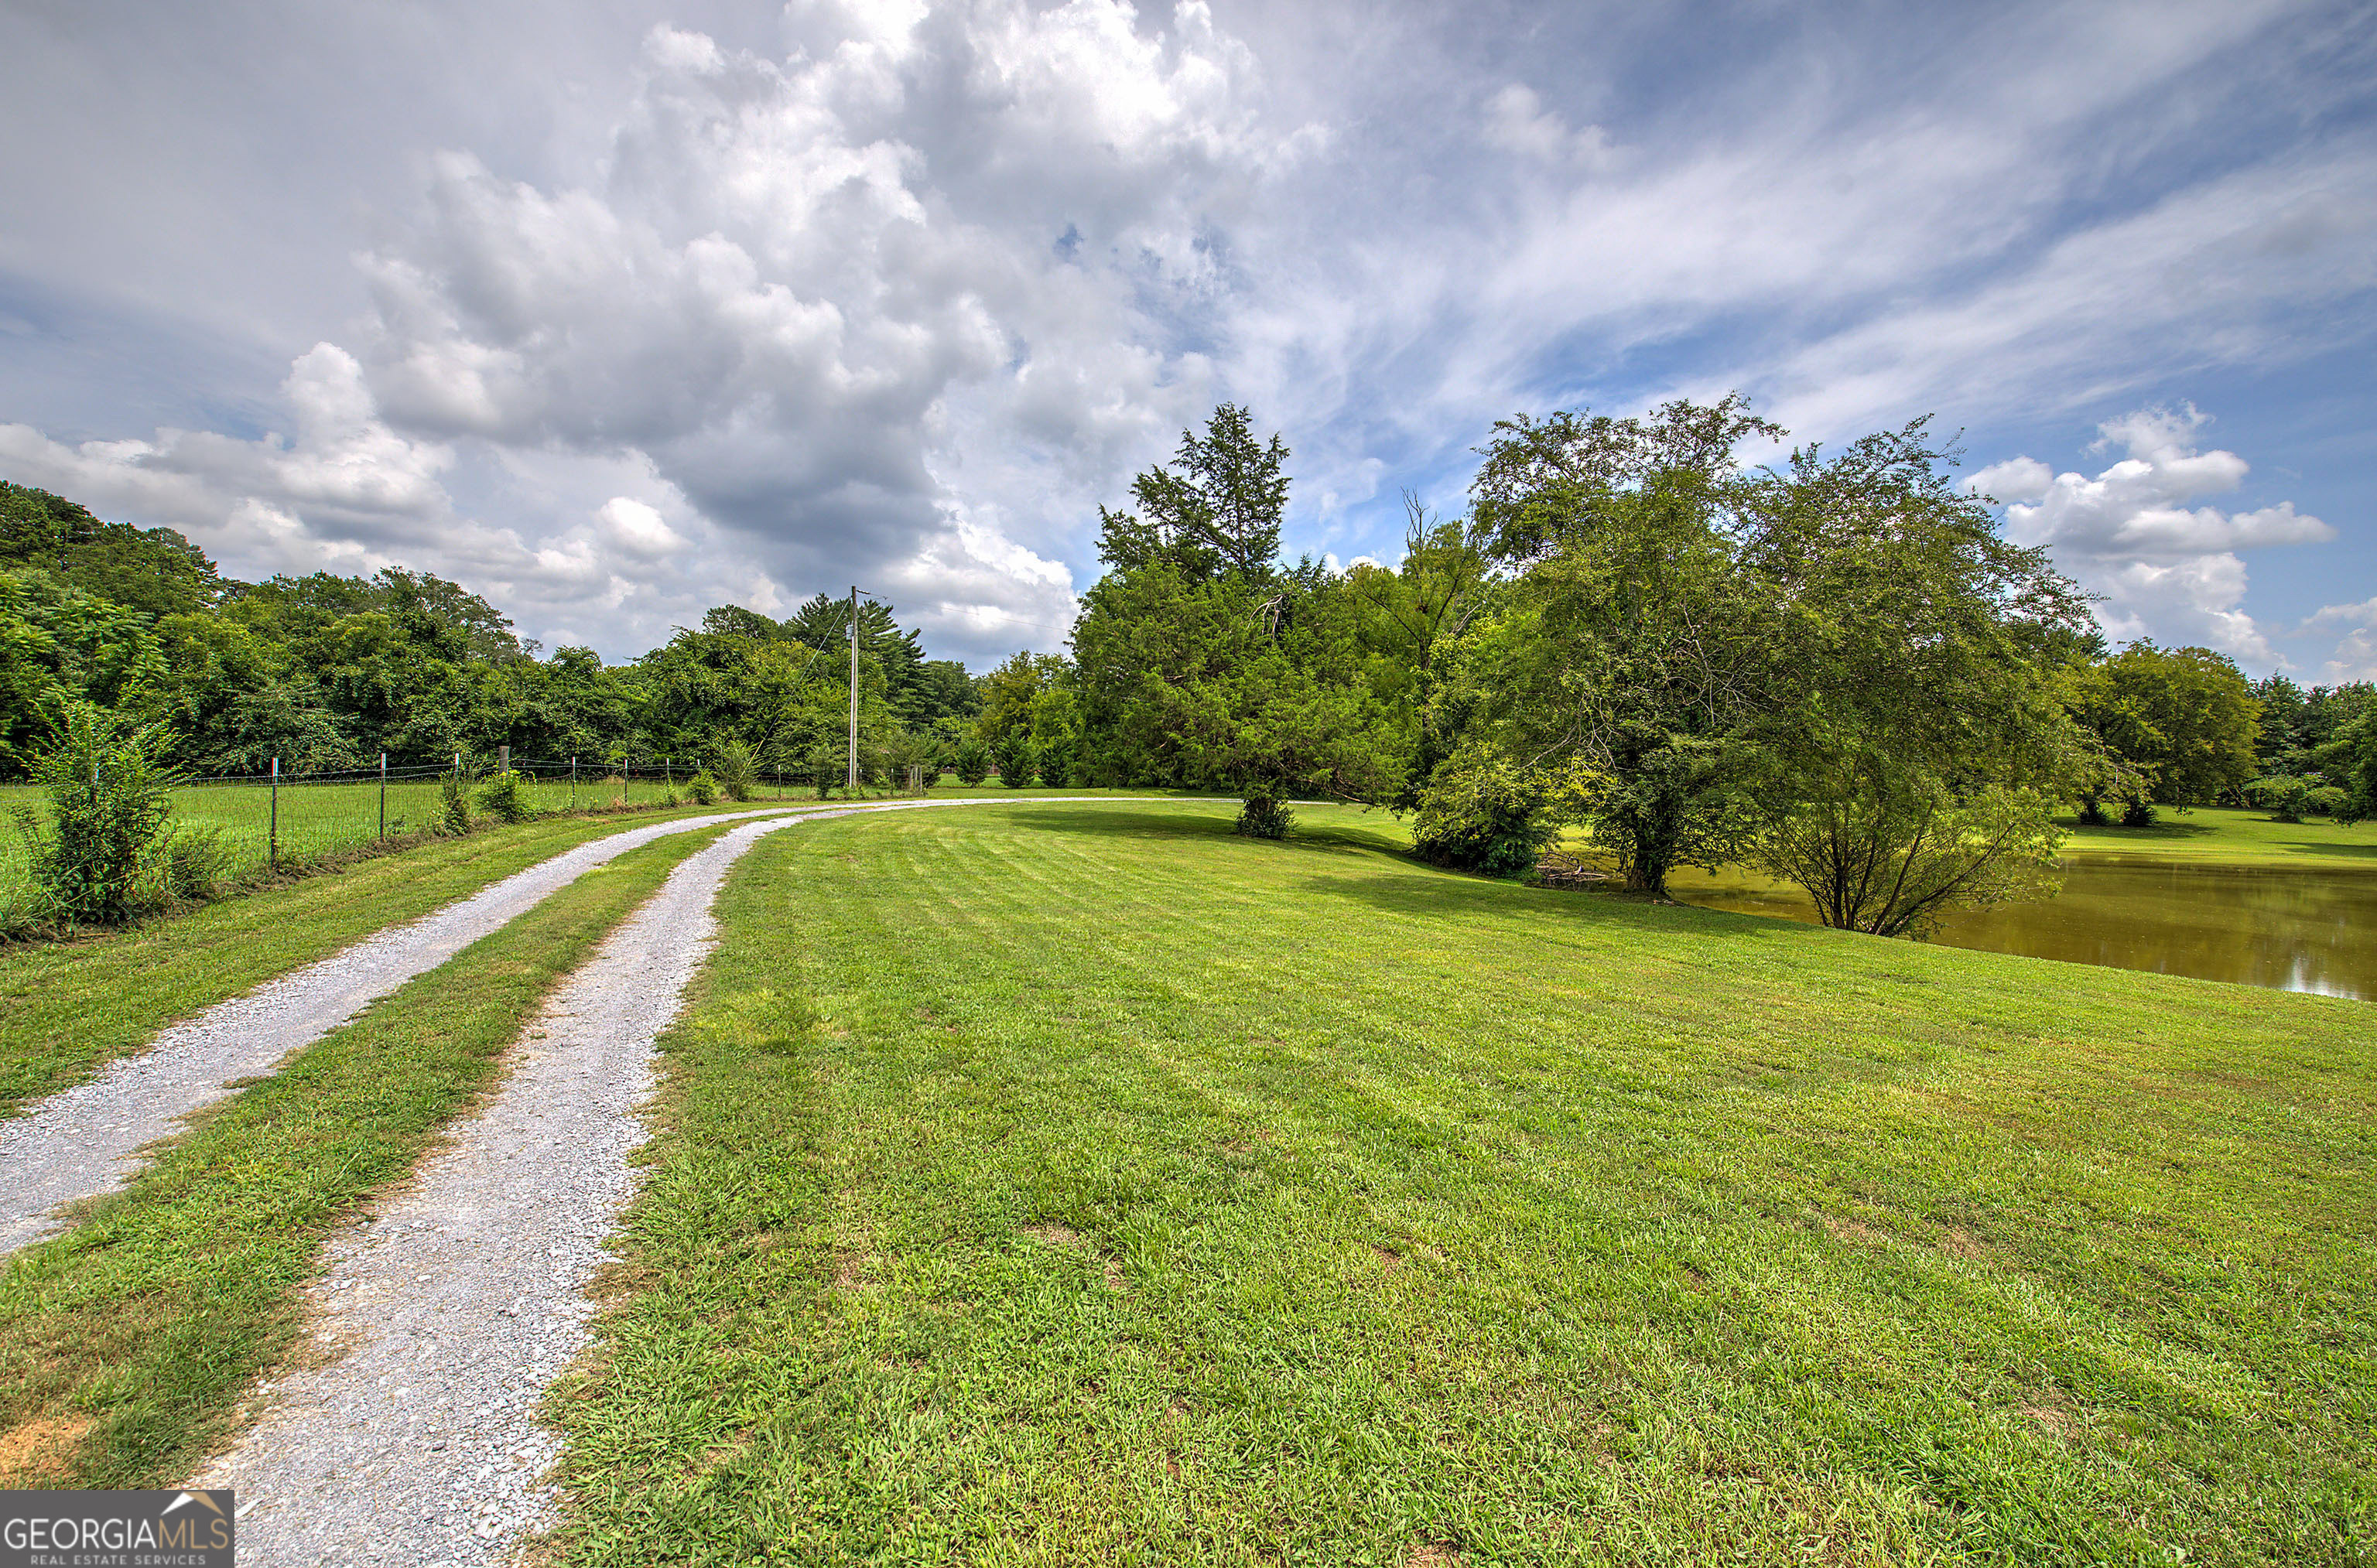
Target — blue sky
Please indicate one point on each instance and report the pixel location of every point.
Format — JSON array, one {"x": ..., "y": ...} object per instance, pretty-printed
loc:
[{"x": 617, "y": 311}]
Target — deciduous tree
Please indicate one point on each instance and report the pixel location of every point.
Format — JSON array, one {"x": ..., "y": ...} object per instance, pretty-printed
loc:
[
  {"x": 2183, "y": 722},
  {"x": 1636, "y": 644},
  {"x": 1914, "y": 745}
]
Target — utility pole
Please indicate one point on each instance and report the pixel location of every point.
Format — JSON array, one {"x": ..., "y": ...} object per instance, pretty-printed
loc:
[
  {"x": 853, "y": 787},
  {"x": 852, "y": 791}
]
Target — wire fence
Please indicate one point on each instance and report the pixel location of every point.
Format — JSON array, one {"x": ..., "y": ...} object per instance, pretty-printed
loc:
[{"x": 263, "y": 819}]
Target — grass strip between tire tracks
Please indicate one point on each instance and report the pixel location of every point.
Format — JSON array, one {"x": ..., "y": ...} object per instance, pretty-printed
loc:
[
  {"x": 1100, "y": 1186},
  {"x": 68, "y": 1009},
  {"x": 127, "y": 1344}
]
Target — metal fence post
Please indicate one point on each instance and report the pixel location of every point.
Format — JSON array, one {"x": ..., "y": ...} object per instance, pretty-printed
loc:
[
  {"x": 573, "y": 781},
  {"x": 383, "y": 795},
  {"x": 272, "y": 831},
  {"x": 668, "y": 773}
]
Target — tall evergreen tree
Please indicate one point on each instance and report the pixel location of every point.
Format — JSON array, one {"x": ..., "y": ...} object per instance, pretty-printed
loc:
[{"x": 1214, "y": 510}]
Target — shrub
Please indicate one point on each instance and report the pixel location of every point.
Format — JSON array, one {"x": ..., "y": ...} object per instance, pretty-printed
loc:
[
  {"x": 505, "y": 798},
  {"x": 21, "y": 911},
  {"x": 1016, "y": 761},
  {"x": 1485, "y": 815},
  {"x": 702, "y": 789},
  {"x": 1265, "y": 817},
  {"x": 973, "y": 763},
  {"x": 906, "y": 754},
  {"x": 109, "y": 798},
  {"x": 2326, "y": 800},
  {"x": 455, "y": 784},
  {"x": 2138, "y": 812},
  {"x": 824, "y": 766},
  {"x": 193, "y": 863},
  {"x": 2281, "y": 794},
  {"x": 734, "y": 768}
]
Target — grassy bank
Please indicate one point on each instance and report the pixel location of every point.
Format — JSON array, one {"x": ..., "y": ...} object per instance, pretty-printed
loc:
[
  {"x": 2224, "y": 836},
  {"x": 2226, "y": 895},
  {"x": 127, "y": 1344},
  {"x": 67, "y": 1008},
  {"x": 2212, "y": 836},
  {"x": 1045, "y": 1186}
]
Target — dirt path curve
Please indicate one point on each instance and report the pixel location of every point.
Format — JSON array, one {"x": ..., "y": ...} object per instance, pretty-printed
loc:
[
  {"x": 452, "y": 1310},
  {"x": 84, "y": 1141}
]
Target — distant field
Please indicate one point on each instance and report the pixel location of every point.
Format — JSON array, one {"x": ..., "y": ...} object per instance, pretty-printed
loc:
[
  {"x": 326, "y": 819},
  {"x": 2222, "y": 834},
  {"x": 319, "y": 819},
  {"x": 1091, "y": 1184}
]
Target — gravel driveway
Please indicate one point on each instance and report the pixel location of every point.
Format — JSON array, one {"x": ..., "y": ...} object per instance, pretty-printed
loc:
[
  {"x": 461, "y": 1301},
  {"x": 444, "y": 1318},
  {"x": 84, "y": 1141}
]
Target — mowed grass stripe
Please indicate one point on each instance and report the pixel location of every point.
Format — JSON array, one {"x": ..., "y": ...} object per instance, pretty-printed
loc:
[
  {"x": 1041, "y": 1188},
  {"x": 68, "y": 1009},
  {"x": 128, "y": 1343}
]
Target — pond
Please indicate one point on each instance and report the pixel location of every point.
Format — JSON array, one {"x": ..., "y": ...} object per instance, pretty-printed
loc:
[{"x": 2294, "y": 930}]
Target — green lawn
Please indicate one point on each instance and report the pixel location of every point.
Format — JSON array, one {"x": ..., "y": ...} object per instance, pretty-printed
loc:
[
  {"x": 318, "y": 820},
  {"x": 1054, "y": 1185},
  {"x": 68, "y": 1009}
]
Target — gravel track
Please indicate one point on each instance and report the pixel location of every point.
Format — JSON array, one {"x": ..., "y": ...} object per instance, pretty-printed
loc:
[
  {"x": 443, "y": 1319},
  {"x": 86, "y": 1140}
]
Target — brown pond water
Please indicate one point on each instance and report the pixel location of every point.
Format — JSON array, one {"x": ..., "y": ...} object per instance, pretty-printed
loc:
[{"x": 2293, "y": 930}]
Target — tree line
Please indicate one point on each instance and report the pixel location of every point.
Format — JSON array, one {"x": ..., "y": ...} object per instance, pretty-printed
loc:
[
  {"x": 1833, "y": 668},
  {"x": 325, "y": 672}
]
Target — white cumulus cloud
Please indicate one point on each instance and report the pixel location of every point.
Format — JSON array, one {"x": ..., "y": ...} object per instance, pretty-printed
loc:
[
  {"x": 894, "y": 308},
  {"x": 809, "y": 288},
  {"x": 2167, "y": 569},
  {"x": 639, "y": 529},
  {"x": 341, "y": 492}
]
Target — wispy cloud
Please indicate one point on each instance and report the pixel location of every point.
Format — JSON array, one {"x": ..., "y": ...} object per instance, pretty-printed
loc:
[{"x": 2355, "y": 658}]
